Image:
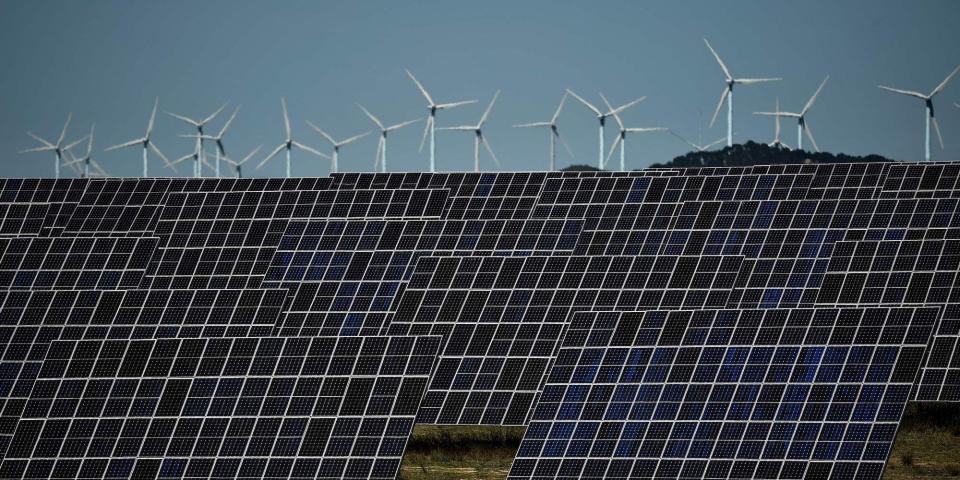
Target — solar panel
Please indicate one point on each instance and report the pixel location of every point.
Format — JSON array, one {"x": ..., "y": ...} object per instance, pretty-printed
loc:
[
  {"x": 31, "y": 320},
  {"x": 73, "y": 262},
  {"x": 22, "y": 219},
  {"x": 502, "y": 318},
  {"x": 232, "y": 407},
  {"x": 726, "y": 394}
]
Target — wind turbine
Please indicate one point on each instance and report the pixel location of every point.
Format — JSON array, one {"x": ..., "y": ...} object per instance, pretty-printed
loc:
[
  {"x": 218, "y": 141},
  {"x": 336, "y": 145},
  {"x": 197, "y": 158},
  {"x": 238, "y": 165},
  {"x": 602, "y": 117},
  {"x": 776, "y": 114},
  {"x": 697, "y": 147},
  {"x": 478, "y": 138},
  {"x": 727, "y": 93},
  {"x": 86, "y": 159},
  {"x": 381, "y": 159},
  {"x": 802, "y": 126},
  {"x": 928, "y": 101},
  {"x": 288, "y": 143},
  {"x": 146, "y": 142},
  {"x": 554, "y": 133},
  {"x": 430, "y": 127},
  {"x": 57, "y": 148},
  {"x": 198, "y": 171},
  {"x": 622, "y": 134}
]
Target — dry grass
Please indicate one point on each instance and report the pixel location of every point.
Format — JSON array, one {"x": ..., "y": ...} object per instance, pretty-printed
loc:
[{"x": 927, "y": 447}]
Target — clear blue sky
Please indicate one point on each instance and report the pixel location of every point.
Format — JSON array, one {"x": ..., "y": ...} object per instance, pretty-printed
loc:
[{"x": 106, "y": 60}]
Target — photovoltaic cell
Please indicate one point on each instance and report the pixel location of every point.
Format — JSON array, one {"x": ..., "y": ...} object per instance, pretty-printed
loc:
[
  {"x": 323, "y": 407},
  {"x": 772, "y": 393},
  {"x": 73, "y": 262}
]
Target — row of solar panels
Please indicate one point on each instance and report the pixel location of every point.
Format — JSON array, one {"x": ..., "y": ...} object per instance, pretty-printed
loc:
[{"x": 494, "y": 270}]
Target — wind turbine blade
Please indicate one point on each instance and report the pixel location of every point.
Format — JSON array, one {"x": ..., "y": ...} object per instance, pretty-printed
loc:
[
  {"x": 556, "y": 114},
  {"x": 613, "y": 148},
  {"x": 311, "y": 150},
  {"x": 688, "y": 142},
  {"x": 272, "y": 154},
  {"x": 956, "y": 105},
  {"x": 943, "y": 84},
  {"x": 610, "y": 111},
  {"x": 402, "y": 124},
  {"x": 38, "y": 149},
  {"x": 750, "y": 81},
  {"x": 229, "y": 121},
  {"x": 806, "y": 129},
  {"x": 627, "y": 105},
  {"x": 647, "y": 129},
  {"x": 286, "y": 118},
  {"x": 181, "y": 117},
  {"x": 564, "y": 143},
  {"x": 161, "y": 155},
  {"x": 183, "y": 158},
  {"x": 422, "y": 90},
  {"x": 534, "y": 124},
  {"x": 131, "y": 143},
  {"x": 76, "y": 142},
  {"x": 814, "y": 97},
  {"x": 100, "y": 169},
  {"x": 376, "y": 158},
  {"x": 321, "y": 132},
  {"x": 726, "y": 72},
  {"x": 723, "y": 96},
  {"x": 426, "y": 130},
  {"x": 214, "y": 114},
  {"x": 486, "y": 113},
  {"x": 446, "y": 106},
  {"x": 44, "y": 142},
  {"x": 354, "y": 138},
  {"x": 586, "y": 103},
  {"x": 153, "y": 117},
  {"x": 936, "y": 128},
  {"x": 254, "y": 152},
  {"x": 715, "y": 142},
  {"x": 903, "y": 92},
  {"x": 90, "y": 140},
  {"x": 63, "y": 133},
  {"x": 371, "y": 117},
  {"x": 486, "y": 145}
]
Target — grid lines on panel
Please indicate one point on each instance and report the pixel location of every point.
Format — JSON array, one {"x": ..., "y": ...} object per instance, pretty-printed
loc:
[{"x": 774, "y": 393}]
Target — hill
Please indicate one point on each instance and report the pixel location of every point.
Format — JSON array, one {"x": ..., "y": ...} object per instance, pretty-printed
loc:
[{"x": 752, "y": 153}]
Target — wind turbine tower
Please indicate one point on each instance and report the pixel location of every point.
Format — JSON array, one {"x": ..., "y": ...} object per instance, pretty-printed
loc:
[
  {"x": 928, "y": 116},
  {"x": 727, "y": 94},
  {"x": 430, "y": 127},
  {"x": 554, "y": 133},
  {"x": 478, "y": 138},
  {"x": 381, "y": 157}
]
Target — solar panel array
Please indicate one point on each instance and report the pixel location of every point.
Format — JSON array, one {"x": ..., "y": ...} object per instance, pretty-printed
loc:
[{"x": 745, "y": 322}]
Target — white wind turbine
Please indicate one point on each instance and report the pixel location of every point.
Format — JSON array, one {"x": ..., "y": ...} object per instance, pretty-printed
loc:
[
  {"x": 776, "y": 114},
  {"x": 478, "y": 138},
  {"x": 146, "y": 142},
  {"x": 801, "y": 117},
  {"x": 86, "y": 159},
  {"x": 57, "y": 148},
  {"x": 554, "y": 133},
  {"x": 381, "y": 159},
  {"x": 727, "y": 93},
  {"x": 198, "y": 171},
  {"x": 218, "y": 141},
  {"x": 238, "y": 165},
  {"x": 929, "y": 116},
  {"x": 336, "y": 145},
  {"x": 697, "y": 147},
  {"x": 602, "y": 118},
  {"x": 430, "y": 127},
  {"x": 622, "y": 134},
  {"x": 289, "y": 142}
]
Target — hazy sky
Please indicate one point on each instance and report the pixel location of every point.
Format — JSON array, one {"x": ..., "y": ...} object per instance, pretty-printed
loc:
[{"x": 106, "y": 60}]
